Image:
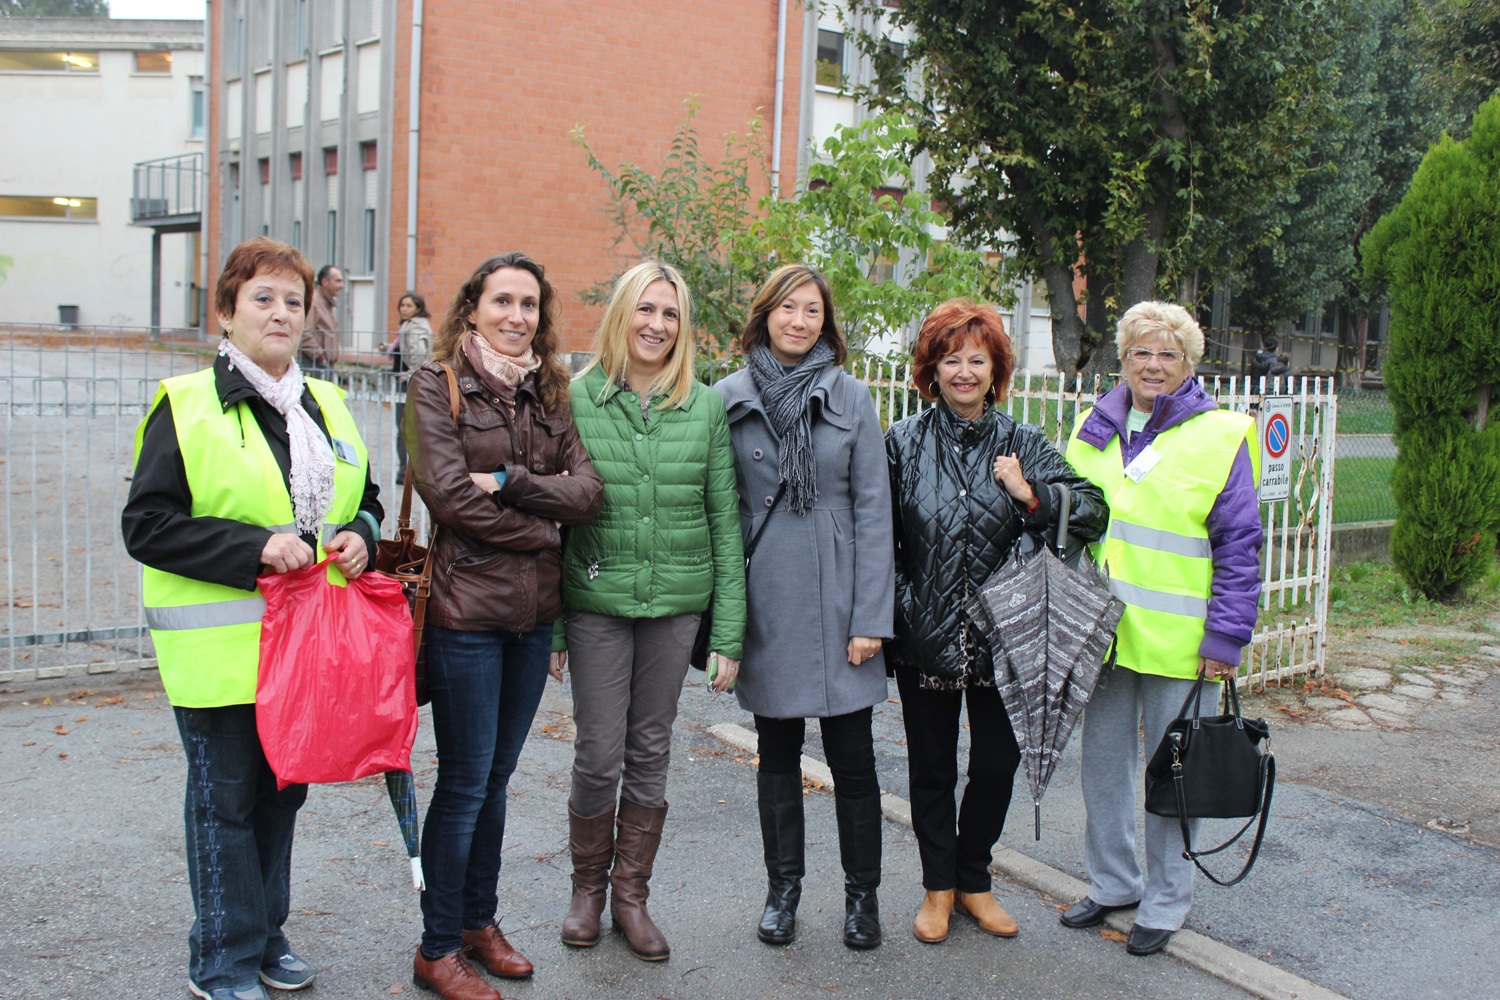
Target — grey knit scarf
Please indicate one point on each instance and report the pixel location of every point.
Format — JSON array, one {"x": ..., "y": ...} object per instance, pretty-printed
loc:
[{"x": 785, "y": 395}]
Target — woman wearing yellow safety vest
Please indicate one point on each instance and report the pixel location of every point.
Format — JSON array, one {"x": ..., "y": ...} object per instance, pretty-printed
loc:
[
  {"x": 241, "y": 468},
  {"x": 1183, "y": 553}
]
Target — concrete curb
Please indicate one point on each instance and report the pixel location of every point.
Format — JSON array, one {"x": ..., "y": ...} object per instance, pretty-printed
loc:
[{"x": 1257, "y": 978}]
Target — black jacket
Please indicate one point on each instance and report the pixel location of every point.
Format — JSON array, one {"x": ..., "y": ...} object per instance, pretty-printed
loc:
[
  {"x": 955, "y": 525},
  {"x": 158, "y": 524}
]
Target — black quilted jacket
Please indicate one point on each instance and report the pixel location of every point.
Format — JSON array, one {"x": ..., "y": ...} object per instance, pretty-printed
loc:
[{"x": 955, "y": 525}]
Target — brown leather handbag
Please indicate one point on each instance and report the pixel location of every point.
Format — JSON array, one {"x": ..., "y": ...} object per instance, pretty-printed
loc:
[{"x": 403, "y": 559}]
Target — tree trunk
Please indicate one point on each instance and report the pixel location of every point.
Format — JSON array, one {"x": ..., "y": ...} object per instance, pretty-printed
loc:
[{"x": 1068, "y": 334}]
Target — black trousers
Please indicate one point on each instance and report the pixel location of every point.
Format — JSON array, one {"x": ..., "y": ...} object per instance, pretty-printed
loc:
[
  {"x": 847, "y": 742},
  {"x": 955, "y": 843}
]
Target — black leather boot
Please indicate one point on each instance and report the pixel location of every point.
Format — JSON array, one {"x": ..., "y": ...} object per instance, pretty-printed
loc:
[
  {"x": 781, "y": 832},
  {"x": 860, "y": 829}
]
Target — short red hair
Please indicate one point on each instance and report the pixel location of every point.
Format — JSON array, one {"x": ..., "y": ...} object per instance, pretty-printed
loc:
[
  {"x": 253, "y": 256},
  {"x": 948, "y": 328}
]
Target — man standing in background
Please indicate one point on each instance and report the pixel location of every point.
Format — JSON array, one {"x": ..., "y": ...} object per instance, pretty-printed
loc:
[{"x": 320, "y": 342}]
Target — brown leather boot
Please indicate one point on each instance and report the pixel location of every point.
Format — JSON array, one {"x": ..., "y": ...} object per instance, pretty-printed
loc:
[
  {"x": 591, "y": 841},
  {"x": 451, "y": 977},
  {"x": 931, "y": 925},
  {"x": 987, "y": 913},
  {"x": 496, "y": 954},
  {"x": 636, "y": 844}
]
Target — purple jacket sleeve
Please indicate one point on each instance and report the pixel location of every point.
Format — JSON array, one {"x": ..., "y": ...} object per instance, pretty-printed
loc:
[{"x": 1234, "y": 535}]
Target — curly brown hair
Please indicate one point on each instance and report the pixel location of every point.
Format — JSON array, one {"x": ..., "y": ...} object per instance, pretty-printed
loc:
[{"x": 552, "y": 377}]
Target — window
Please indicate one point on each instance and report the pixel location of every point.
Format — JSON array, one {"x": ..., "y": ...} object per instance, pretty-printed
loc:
[
  {"x": 368, "y": 159},
  {"x": 197, "y": 108},
  {"x": 297, "y": 233},
  {"x": 153, "y": 62},
  {"x": 296, "y": 164},
  {"x": 297, "y": 14},
  {"x": 234, "y": 31},
  {"x": 20, "y": 61},
  {"x": 265, "y": 169},
  {"x": 331, "y": 161},
  {"x": 369, "y": 241},
  {"x": 48, "y": 207},
  {"x": 830, "y": 71},
  {"x": 333, "y": 235}
]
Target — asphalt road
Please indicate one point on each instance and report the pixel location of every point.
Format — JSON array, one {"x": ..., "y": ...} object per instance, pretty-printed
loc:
[{"x": 94, "y": 902}]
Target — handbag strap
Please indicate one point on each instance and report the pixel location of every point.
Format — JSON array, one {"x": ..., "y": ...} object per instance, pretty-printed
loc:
[
  {"x": 755, "y": 538},
  {"x": 1267, "y": 787},
  {"x": 403, "y": 519}
]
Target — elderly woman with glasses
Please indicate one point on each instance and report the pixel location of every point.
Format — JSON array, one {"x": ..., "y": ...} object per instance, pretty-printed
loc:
[{"x": 1183, "y": 553}]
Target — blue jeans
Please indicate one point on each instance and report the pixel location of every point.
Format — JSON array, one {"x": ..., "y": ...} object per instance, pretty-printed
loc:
[
  {"x": 239, "y": 847},
  {"x": 485, "y": 688}
]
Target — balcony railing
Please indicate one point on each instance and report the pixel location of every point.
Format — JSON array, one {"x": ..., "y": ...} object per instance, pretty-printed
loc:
[{"x": 167, "y": 190}]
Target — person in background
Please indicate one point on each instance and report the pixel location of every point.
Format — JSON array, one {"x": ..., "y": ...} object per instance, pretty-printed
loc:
[
  {"x": 968, "y": 484},
  {"x": 243, "y": 468},
  {"x": 320, "y": 343},
  {"x": 1183, "y": 553},
  {"x": 408, "y": 350},
  {"x": 636, "y": 581},
  {"x": 809, "y": 457},
  {"x": 499, "y": 480}
]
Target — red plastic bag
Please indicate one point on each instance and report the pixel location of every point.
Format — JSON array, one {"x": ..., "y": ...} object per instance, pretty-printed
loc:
[{"x": 336, "y": 700}]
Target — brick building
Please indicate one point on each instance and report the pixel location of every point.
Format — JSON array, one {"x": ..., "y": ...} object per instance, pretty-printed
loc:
[{"x": 324, "y": 109}]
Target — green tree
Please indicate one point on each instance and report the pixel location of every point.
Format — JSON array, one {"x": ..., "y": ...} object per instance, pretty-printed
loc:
[
  {"x": 1117, "y": 141},
  {"x": 1462, "y": 53},
  {"x": 1302, "y": 249},
  {"x": 861, "y": 209},
  {"x": 1438, "y": 253},
  {"x": 54, "y": 8}
]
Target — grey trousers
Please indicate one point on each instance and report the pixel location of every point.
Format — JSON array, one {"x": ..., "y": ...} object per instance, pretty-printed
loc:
[
  {"x": 627, "y": 676},
  {"x": 1112, "y": 729}
]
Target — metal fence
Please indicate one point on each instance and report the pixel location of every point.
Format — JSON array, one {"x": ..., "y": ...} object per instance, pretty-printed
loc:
[{"x": 70, "y": 404}]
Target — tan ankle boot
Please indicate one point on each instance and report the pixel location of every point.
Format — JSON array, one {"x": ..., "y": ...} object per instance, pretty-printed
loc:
[
  {"x": 931, "y": 925},
  {"x": 987, "y": 913}
]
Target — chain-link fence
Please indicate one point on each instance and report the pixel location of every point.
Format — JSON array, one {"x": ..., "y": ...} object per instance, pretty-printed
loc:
[{"x": 1366, "y": 455}]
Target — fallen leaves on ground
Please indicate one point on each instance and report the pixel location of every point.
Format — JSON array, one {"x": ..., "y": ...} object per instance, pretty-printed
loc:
[{"x": 1110, "y": 934}]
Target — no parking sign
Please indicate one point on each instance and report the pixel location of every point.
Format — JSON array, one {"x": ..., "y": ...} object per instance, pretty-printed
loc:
[{"x": 1275, "y": 425}]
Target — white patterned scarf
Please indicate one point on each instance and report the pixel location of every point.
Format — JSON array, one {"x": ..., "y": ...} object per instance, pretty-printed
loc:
[{"x": 312, "y": 457}]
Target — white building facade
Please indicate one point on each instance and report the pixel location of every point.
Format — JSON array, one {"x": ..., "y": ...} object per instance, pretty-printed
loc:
[{"x": 82, "y": 101}]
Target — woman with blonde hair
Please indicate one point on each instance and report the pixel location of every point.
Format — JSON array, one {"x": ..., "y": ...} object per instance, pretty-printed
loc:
[
  {"x": 664, "y": 551},
  {"x": 498, "y": 463}
]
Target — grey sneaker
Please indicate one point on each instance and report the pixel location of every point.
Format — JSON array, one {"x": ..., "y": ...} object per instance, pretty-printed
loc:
[
  {"x": 289, "y": 972},
  {"x": 252, "y": 992}
]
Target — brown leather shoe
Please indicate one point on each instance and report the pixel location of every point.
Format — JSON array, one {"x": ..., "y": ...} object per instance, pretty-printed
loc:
[
  {"x": 931, "y": 925},
  {"x": 636, "y": 844},
  {"x": 451, "y": 977},
  {"x": 591, "y": 841},
  {"x": 496, "y": 954},
  {"x": 987, "y": 913}
]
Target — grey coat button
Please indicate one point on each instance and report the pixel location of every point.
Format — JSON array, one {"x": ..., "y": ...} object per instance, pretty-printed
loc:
[
  {"x": 757, "y": 454},
  {"x": 770, "y": 501}
]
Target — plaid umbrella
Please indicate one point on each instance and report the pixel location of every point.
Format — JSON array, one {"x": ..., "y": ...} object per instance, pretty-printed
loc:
[
  {"x": 1049, "y": 628},
  {"x": 403, "y": 792}
]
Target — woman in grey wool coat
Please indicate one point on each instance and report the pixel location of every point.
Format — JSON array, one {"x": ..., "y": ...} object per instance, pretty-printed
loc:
[{"x": 810, "y": 462}]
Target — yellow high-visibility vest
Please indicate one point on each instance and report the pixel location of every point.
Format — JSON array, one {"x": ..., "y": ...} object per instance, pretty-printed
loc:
[
  {"x": 1156, "y": 552},
  {"x": 207, "y": 635}
]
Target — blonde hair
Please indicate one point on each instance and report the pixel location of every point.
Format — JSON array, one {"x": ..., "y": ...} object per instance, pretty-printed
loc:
[
  {"x": 612, "y": 343},
  {"x": 1167, "y": 320}
]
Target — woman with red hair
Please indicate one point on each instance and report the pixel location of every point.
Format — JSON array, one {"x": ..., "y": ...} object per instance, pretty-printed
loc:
[{"x": 967, "y": 484}]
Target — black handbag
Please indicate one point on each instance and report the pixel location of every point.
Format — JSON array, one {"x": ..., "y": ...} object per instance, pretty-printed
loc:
[
  {"x": 1217, "y": 767},
  {"x": 698, "y": 658}
]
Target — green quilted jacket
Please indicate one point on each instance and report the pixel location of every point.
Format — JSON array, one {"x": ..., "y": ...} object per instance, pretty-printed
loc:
[{"x": 668, "y": 536}]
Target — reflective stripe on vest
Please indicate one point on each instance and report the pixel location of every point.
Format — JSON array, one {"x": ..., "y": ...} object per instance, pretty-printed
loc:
[
  {"x": 1157, "y": 552},
  {"x": 207, "y": 636}
]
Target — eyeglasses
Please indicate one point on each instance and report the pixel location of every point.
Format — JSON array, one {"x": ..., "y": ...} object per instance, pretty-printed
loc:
[{"x": 1142, "y": 356}]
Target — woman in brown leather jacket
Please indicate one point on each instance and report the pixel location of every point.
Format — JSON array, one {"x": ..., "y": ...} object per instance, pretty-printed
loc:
[{"x": 499, "y": 479}]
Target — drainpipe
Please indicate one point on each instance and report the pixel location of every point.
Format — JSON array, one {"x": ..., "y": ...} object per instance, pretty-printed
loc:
[
  {"x": 413, "y": 137},
  {"x": 780, "y": 91},
  {"x": 210, "y": 157}
]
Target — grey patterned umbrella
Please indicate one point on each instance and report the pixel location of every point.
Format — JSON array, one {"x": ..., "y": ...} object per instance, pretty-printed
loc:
[
  {"x": 403, "y": 792},
  {"x": 1049, "y": 628}
]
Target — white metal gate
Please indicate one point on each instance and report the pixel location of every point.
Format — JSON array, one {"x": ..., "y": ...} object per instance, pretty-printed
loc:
[{"x": 70, "y": 403}]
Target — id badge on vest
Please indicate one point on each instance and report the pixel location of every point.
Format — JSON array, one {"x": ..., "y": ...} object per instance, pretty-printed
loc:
[
  {"x": 344, "y": 452},
  {"x": 1142, "y": 464}
]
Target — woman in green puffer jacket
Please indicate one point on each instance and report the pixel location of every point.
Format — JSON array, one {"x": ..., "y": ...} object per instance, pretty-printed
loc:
[{"x": 636, "y": 581}]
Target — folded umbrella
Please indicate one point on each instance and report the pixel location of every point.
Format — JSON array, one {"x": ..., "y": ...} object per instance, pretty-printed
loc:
[
  {"x": 1049, "y": 628},
  {"x": 403, "y": 792}
]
